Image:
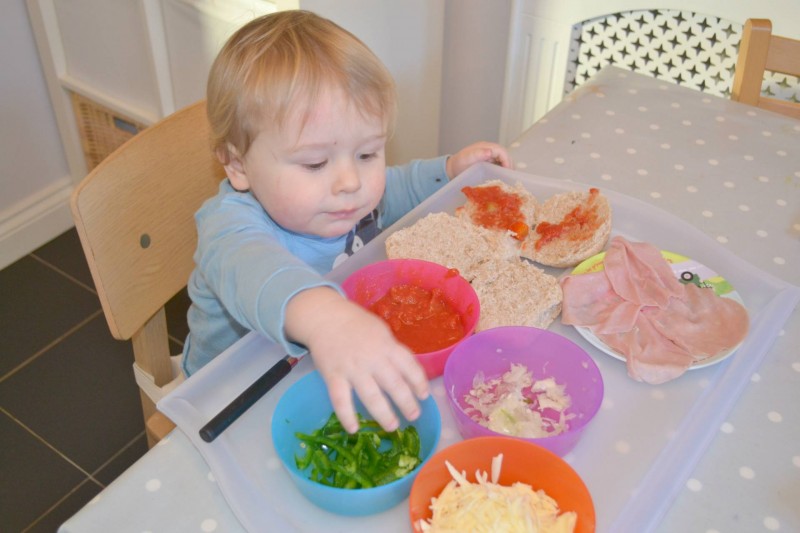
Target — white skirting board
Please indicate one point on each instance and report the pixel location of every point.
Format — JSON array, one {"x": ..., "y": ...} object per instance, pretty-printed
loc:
[{"x": 35, "y": 220}]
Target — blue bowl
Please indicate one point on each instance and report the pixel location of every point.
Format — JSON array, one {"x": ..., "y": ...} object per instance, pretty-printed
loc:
[{"x": 306, "y": 407}]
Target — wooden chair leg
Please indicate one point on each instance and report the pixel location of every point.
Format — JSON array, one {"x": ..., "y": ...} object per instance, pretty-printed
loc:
[
  {"x": 158, "y": 426},
  {"x": 151, "y": 353},
  {"x": 156, "y": 423}
]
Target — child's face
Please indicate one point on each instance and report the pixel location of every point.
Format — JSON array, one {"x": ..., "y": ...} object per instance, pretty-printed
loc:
[{"x": 317, "y": 178}]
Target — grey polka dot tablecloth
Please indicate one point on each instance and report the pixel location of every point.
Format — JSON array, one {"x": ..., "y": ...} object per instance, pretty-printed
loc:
[
  {"x": 732, "y": 171},
  {"x": 716, "y": 451}
]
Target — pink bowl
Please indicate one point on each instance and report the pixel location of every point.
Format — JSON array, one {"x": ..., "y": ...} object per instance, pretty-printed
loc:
[
  {"x": 370, "y": 283},
  {"x": 545, "y": 354}
]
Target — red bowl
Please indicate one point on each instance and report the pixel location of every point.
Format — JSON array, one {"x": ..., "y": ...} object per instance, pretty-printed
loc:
[
  {"x": 370, "y": 283},
  {"x": 522, "y": 462}
]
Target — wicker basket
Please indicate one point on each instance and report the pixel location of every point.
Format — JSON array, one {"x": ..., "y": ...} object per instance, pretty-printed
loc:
[{"x": 102, "y": 130}]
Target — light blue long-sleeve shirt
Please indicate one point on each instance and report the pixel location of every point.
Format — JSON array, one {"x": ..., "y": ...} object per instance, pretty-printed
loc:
[{"x": 248, "y": 267}]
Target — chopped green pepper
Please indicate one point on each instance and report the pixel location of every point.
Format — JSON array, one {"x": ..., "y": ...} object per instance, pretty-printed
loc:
[{"x": 368, "y": 458}]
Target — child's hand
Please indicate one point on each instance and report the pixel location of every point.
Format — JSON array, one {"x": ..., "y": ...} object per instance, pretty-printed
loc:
[
  {"x": 355, "y": 350},
  {"x": 476, "y": 153}
]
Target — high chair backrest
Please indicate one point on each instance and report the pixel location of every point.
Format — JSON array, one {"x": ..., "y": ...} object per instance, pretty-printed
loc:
[
  {"x": 134, "y": 214},
  {"x": 761, "y": 51}
]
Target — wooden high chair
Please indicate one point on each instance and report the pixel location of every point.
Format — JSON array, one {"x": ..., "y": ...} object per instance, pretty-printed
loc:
[
  {"x": 760, "y": 51},
  {"x": 135, "y": 217}
]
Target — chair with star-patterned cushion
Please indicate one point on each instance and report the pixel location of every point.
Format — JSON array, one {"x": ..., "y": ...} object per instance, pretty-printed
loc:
[
  {"x": 555, "y": 47},
  {"x": 691, "y": 49}
]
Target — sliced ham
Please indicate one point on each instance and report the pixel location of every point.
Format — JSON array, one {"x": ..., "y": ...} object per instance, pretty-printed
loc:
[
  {"x": 638, "y": 273},
  {"x": 638, "y": 308},
  {"x": 593, "y": 303},
  {"x": 651, "y": 357},
  {"x": 707, "y": 324}
]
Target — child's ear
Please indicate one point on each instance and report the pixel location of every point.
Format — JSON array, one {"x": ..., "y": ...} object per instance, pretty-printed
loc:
[{"x": 235, "y": 170}]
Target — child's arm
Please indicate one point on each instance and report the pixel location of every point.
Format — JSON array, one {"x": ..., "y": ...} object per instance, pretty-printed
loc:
[
  {"x": 407, "y": 185},
  {"x": 355, "y": 350},
  {"x": 476, "y": 153}
]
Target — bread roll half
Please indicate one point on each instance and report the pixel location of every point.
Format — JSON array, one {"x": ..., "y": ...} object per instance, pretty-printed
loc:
[
  {"x": 495, "y": 218},
  {"x": 515, "y": 293},
  {"x": 570, "y": 227}
]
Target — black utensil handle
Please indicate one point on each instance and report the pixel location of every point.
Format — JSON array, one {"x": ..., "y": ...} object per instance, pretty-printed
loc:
[{"x": 245, "y": 400}]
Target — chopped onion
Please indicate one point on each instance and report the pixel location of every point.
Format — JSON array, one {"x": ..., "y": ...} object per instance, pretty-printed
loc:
[{"x": 514, "y": 404}]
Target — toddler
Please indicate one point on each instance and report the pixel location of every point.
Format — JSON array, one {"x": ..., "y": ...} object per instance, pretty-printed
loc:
[{"x": 300, "y": 112}]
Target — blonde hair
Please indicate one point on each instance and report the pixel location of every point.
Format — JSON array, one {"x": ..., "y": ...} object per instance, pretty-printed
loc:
[{"x": 278, "y": 65}]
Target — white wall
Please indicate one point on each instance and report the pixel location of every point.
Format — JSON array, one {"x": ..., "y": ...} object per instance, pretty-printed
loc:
[
  {"x": 34, "y": 177},
  {"x": 408, "y": 37},
  {"x": 448, "y": 58},
  {"x": 475, "y": 42}
]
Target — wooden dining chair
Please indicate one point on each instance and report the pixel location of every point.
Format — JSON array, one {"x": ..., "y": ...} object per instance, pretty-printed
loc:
[
  {"x": 134, "y": 214},
  {"x": 761, "y": 51}
]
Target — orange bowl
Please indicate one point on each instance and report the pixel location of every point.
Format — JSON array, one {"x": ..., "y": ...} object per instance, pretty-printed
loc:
[{"x": 522, "y": 461}]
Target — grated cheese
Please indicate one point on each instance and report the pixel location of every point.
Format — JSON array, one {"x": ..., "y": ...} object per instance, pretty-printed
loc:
[{"x": 486, "y": 507}]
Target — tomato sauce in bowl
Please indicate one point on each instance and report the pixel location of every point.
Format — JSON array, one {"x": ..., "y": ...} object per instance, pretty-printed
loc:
[
  {"x": 429, "y": 304},
  {"x": 421, "y": 319}
]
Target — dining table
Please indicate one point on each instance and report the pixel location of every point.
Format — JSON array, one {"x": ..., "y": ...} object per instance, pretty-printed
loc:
[{"x": 716, "y": 450}]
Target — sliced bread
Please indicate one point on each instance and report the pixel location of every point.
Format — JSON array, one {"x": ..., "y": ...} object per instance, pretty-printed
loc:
[
  {"x": 515, "y": 293},
  {"x": 445, "y": 239}
]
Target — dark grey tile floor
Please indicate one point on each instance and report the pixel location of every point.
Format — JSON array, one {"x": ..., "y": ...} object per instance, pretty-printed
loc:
[{"x": 70, "y": 418}]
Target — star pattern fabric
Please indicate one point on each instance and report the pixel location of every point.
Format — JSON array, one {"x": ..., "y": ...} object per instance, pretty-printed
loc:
[{"x": 691, "y": 49}]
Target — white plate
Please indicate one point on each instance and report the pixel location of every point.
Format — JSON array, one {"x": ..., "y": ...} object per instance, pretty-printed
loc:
[{"x": 685, "y": 269}]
